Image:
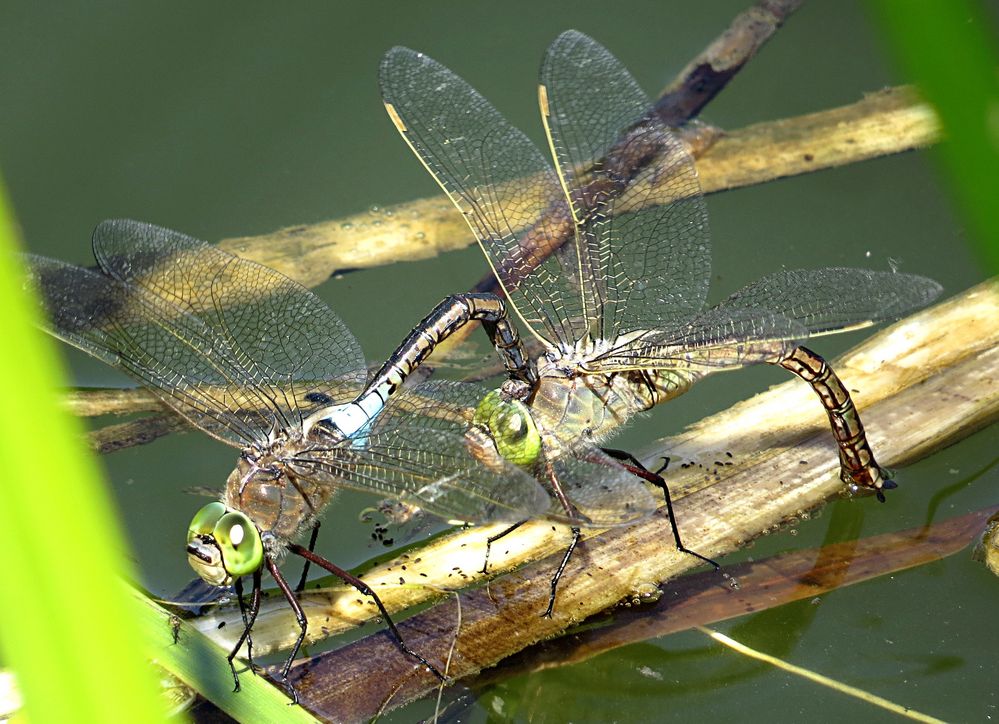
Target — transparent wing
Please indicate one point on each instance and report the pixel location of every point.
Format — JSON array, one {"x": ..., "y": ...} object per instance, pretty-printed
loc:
[
  {"x": 277, "y": 329},
  {"x": 236, "y": 348},
  {"x": 836, "y": 298},
  {"x": 500, "y": 182},
  {"x": 597, "y": 486},
  {"x": 601, "y": 490},
  {"x": 764, "y": 320},
  {"x": 420, "y": 451},
  {"x": 642, "y": 226},
  {"x": 416, "y": 451}
]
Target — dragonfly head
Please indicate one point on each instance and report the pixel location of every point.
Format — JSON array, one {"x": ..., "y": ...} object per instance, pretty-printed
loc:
[
  {"x": 223, "y": 544},
  {"x": 511, "y": 426}
]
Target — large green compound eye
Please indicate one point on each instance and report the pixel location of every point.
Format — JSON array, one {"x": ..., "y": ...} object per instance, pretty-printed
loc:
[
  {"x": 487, "y": 408},
  {"x": 205, "y": 520},
  {"x": 239, "y": 541},
  {"x": 511, "y": 426}
]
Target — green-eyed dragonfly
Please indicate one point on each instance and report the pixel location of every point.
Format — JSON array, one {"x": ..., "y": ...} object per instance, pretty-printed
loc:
[
  {"x": 606, "y": 257},
  {"x": 259, "y": 362}
]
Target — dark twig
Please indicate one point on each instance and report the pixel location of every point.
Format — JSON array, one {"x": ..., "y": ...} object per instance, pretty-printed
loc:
[
  {"x": 113, "y": 438},
  {"x": 695, "y": 86},
  {"x": 707, "y": 74}
]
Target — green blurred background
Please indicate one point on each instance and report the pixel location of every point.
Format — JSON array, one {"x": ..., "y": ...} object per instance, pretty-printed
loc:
[{"x": 229, "y": 119}]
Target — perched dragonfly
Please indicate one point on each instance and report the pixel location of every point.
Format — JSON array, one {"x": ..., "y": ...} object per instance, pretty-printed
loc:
[
  {"x": 605, "y": 258},
  {"x": 258, "y": 362}
]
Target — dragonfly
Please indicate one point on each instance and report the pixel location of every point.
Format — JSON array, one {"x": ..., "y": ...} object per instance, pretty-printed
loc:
[
  {"x": 260, "y": 363},
  {"x": 604, "y": 256}
]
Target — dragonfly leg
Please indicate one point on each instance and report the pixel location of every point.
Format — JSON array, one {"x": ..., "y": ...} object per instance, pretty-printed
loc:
[
  {"x": 558, "y": 573},
  {"x": 246, "y": 623},
  {"x": 493, "y": 538},
  {"x": 303, "y": 625},
  {"x": 366, "y": 590},
  {"x": 635, "y": 467},
  {"x": 312, "y": 547},
  {"x": 624, "y": 456},
  {"x": 858, "y": 468},
  {"x": 238, "y": 586},
  {"x": 572, "y": 513},
  {"x": 249, "y": 617}
]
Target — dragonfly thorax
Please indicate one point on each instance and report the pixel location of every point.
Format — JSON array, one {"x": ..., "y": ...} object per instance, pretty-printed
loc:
[
  {"x": 281, "y": 489},
  {"x": 560, "y": 362},
  {"x": 572, "y": 360}
]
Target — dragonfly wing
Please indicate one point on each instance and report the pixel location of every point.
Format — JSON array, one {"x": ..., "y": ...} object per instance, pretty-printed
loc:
[
  {"x": 165, "y": 311},
  {"x": 597, "y": 486},
  {"x": 644, "y": 245},
  {"x": 121, "y": 327},
  {"x": 80, "y": 304},
  {"x": 765, "y": 320},
  {"x": 279, "y": 331},
  {"x": 601, "y": 489},
  {"x": 834, "y": 299},
  {"x": 501, "y": 183},
  {"x": 417, "y": 452}
]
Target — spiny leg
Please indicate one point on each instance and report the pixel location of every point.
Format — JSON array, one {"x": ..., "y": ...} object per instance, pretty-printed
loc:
[
  {"x": 558, "y": 573},
  {"x": 366, "y": 590},
  {"x": 493, "y": 538},
  {"x": 571, "y": 512},
  {"x": 249, "y": 617},
  {"x": 635, "y": 467},
  {"x": 312, "y": 547},
  {"x": 246, "y": 625},
  {"x": 303, "y": 624},
  {"x": 238, "y": 586},
  {"x": 858, "y": 468}
]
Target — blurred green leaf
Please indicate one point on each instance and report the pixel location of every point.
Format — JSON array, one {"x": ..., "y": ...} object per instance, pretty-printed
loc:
[
  {"x": 949, "y": 50},
  {"x": 200, "y": 663},
  {"x": 67, "y": 627}
]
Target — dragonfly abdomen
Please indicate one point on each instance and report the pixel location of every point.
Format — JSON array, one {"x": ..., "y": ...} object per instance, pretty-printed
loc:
[
  {"x": 858, "y": 468},
  {"x": 447, "y": 317},
  {"x": 452, "y": 313},
  {"x": 668, "y": 384}
]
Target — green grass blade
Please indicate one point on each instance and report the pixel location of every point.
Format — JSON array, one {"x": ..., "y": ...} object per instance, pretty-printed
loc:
[
  {"x": 66, "y": 629},
  {"x": 200, "y": 663}
]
